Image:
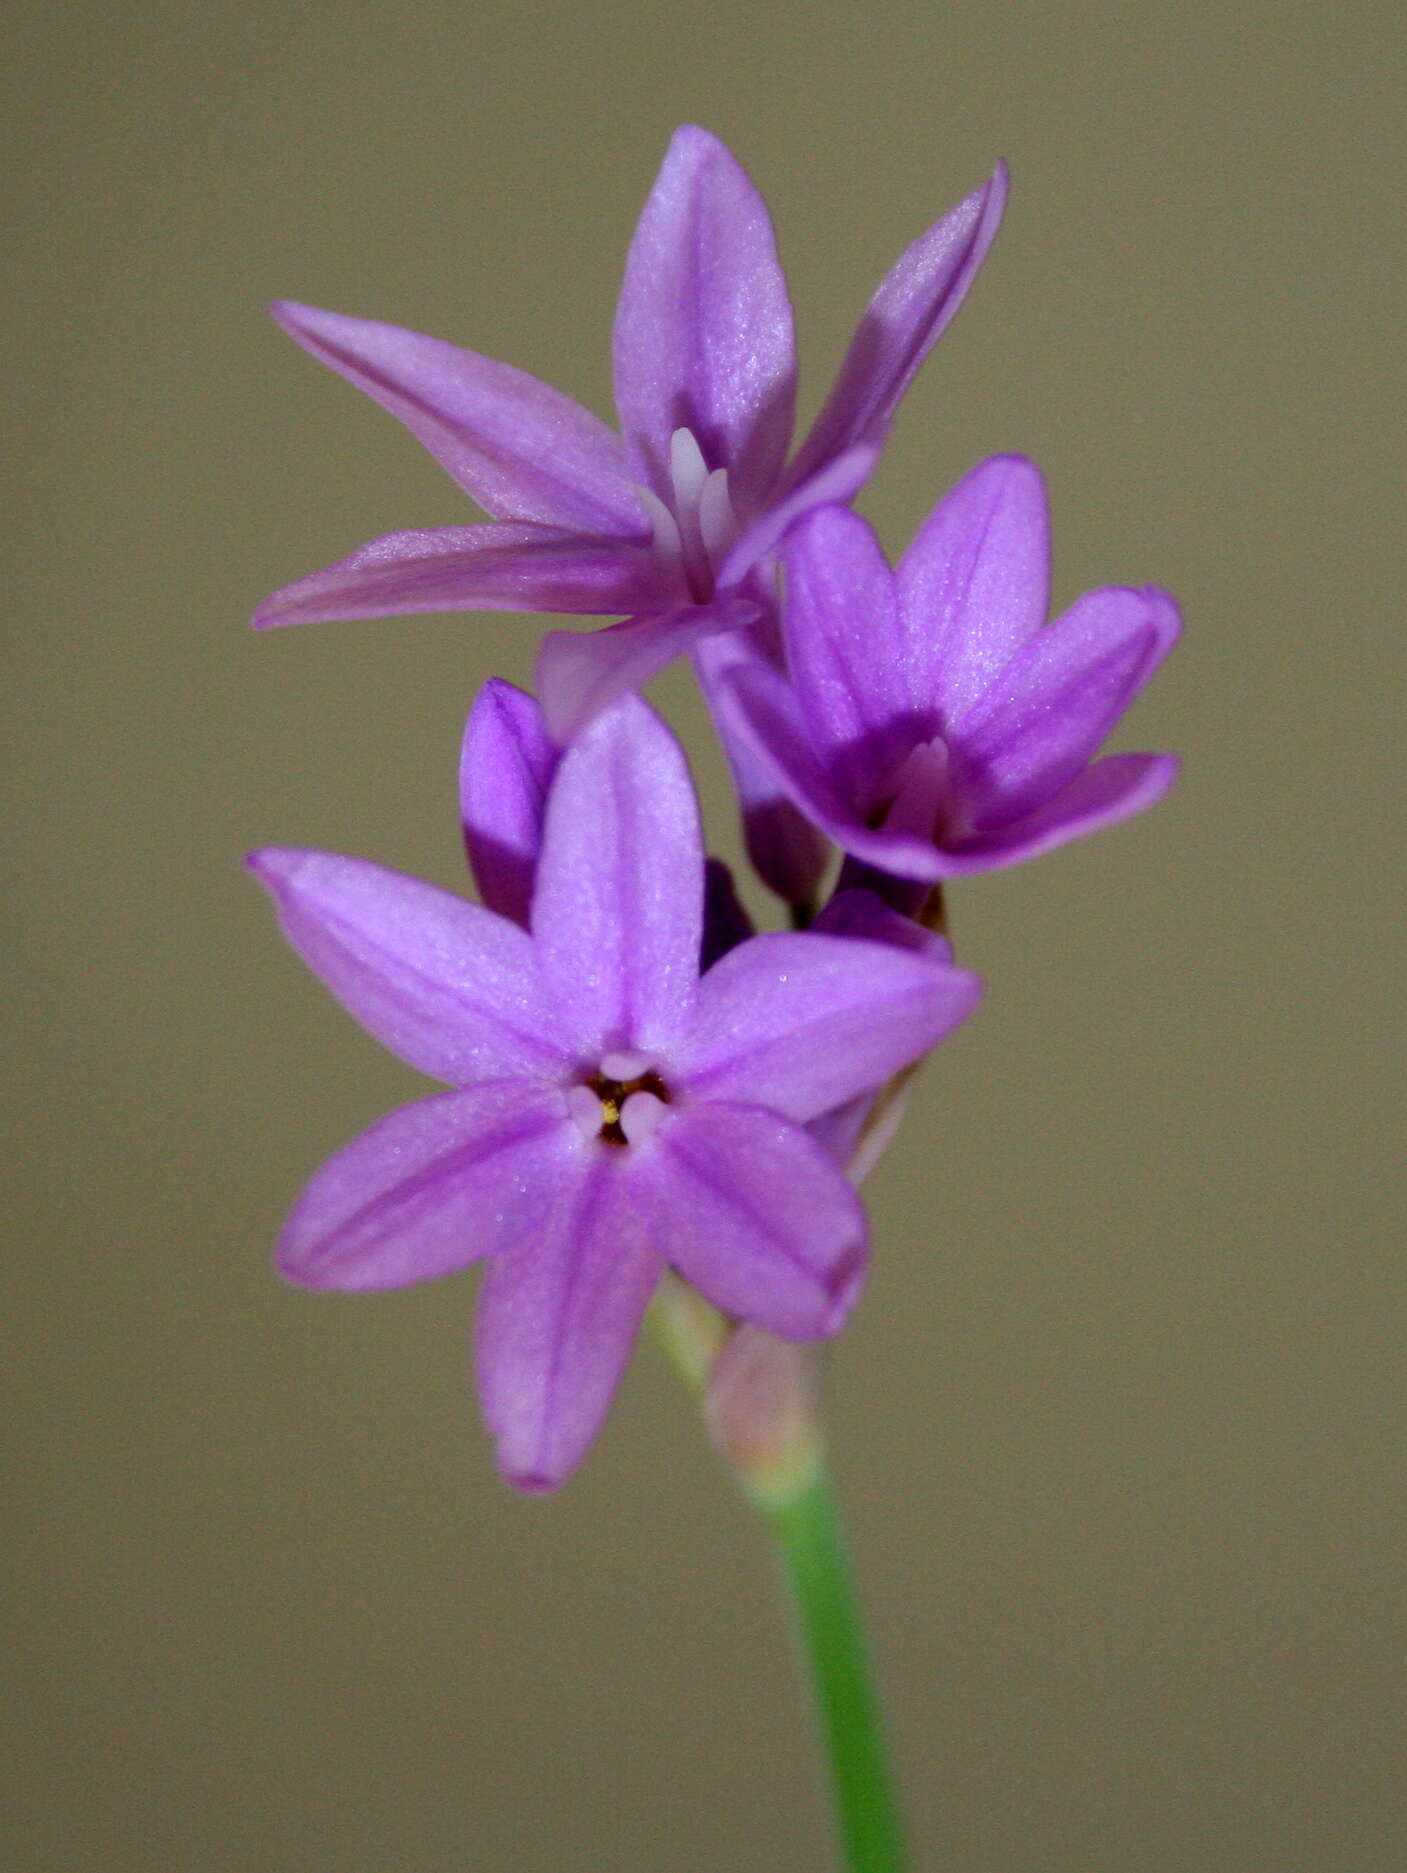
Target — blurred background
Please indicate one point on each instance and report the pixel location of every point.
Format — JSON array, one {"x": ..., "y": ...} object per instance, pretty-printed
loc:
[{"x": 1119, "y": 1424}]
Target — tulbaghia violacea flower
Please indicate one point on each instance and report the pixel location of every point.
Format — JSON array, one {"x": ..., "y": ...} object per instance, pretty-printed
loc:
[
  {"x": 506, "y": 771},
  {"x": 663, "y": 523},
  {"x": 614, "y": 1114},
  {"x": 931, "y": 721}
]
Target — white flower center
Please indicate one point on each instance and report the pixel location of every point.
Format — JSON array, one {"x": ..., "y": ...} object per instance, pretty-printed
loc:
[
  {"x": 622, "y": 1102},
  {"x": 694, "y": 531}
]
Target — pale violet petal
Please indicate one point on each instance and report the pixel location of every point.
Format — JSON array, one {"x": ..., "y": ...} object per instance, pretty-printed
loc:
[
  {"x": 914, "y": 303},
  {"x": 1106, "y": 792},
  {"x": 522, "y": 450},
  {"x": 618, "y": 912},
  {"x": 431, "y": 1188},
  {"x": 836, "y": 481},
  {"x": 974, "y": 586},
  {"x": 505, "y": 769},
  {"x": 751, "y": 1210},
  {"x": 514, "y": 567},
  {"x": 558, "y": 1315},
  {"x": 580, "y": 673},
  {"x": 446, "y": 985},
  {"x": 845, "y": 655},
  {"x": 1048, "y": 712},
  {"x": 803, "y": 1022},
  {"x": 703, "y": 335}
]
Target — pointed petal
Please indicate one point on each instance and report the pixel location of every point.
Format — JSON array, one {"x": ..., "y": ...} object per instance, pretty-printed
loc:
[
  {"x": 431, "y": 1188},
  {"x": 914, "y": 303},
  {"x": 557, "y": 1317},
  {"x": 580, "y": 673},
  {"x": 839, "y": 480},
  {"x": 845, "y": 655},
  {"x": 703, "y": 337},
  {"x": 1056, "y": 701},
  {"x": 521, "y": 449},
  {"x": 1109, "y": 791},
  {"x": 801, "y": 1023},
  {"x": 447, "y": 986},
  {"x": 618, "y": 911},
  {"x": 765, "y": 714},
  {"x": 975, "y": 584},
  {"x": 751, "y": 1209},
  {"x": 786, "y": 851},
  {"x": 495, "y": 568},
  {"x": 505, "y": 769}
]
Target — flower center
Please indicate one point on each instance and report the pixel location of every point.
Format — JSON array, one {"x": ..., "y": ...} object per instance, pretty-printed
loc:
[
  {"x": 621, "y": 1102},
  {"x": 923, "y": 802},
  {"x": 694, "y": 530}
]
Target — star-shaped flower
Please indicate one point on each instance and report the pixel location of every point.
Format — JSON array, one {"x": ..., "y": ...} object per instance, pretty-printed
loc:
[
  {"x": 664, "y": 523},
  {"x": 933, "y": 723},
  {"x": 614, "y": 1113}
]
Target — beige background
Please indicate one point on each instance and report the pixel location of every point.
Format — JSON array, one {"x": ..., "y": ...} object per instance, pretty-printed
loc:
[{"x": 1120, "y": 1421}]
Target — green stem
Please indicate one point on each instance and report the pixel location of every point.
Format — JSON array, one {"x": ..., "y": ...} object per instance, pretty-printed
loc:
[{"x": 811, "y": 1548}]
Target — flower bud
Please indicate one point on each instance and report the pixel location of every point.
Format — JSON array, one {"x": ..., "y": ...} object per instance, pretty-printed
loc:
[{"x": 763, "y": 1412}]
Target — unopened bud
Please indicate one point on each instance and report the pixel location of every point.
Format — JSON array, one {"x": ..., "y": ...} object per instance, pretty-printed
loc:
[{"x": 763, "y": 1410}]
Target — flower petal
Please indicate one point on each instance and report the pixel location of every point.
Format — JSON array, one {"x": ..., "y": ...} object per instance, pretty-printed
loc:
[
  {"x": 521, "y": 449},
  {"x": 752, "y": 1210},
  {"x": 1108, "y": 791},
  {"x": 786, "y": 851},
  {"x": 505, "y": 769},
  {"x": 494, "y": 568},
  {"x": 846, "y": 655},
  {"x": 431, "y": 1188},
  {"x": 1054, "y": 703},
  {"x": 618, "y": 911},
  {"x": 444, "y": 984},
  {"x": 915, "y": 301},
  {"x": 975, "y": 584},
  {"x": 703, "y": 335},
  {"x": 557, "y": 1317},
  {"x": 839, "y": 480},
  {"x": 801, "y": 1023},
  {"x": 765, "y": 715},
  {"x": 580, "y": 673}
]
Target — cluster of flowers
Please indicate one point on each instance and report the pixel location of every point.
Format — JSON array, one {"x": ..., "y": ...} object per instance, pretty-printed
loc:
[{"x": 641, "y": 1082}]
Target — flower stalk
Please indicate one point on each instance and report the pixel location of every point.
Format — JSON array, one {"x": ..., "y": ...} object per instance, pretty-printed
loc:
[
  {"x": 815, "y": 1565},
  {"x": 764, "y": 1414}
]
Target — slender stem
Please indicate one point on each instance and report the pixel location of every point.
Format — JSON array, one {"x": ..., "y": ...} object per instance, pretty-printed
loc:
[
  {"x": 811, "y": 1549},
  {"x": 761, "y": 1400}
]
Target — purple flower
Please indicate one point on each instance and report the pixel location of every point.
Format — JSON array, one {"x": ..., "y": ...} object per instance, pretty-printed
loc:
[
  {"x": 613, "y": 1112},
  {"x": 934, "y": 723},
  {"x": 665, "y": 522}
]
